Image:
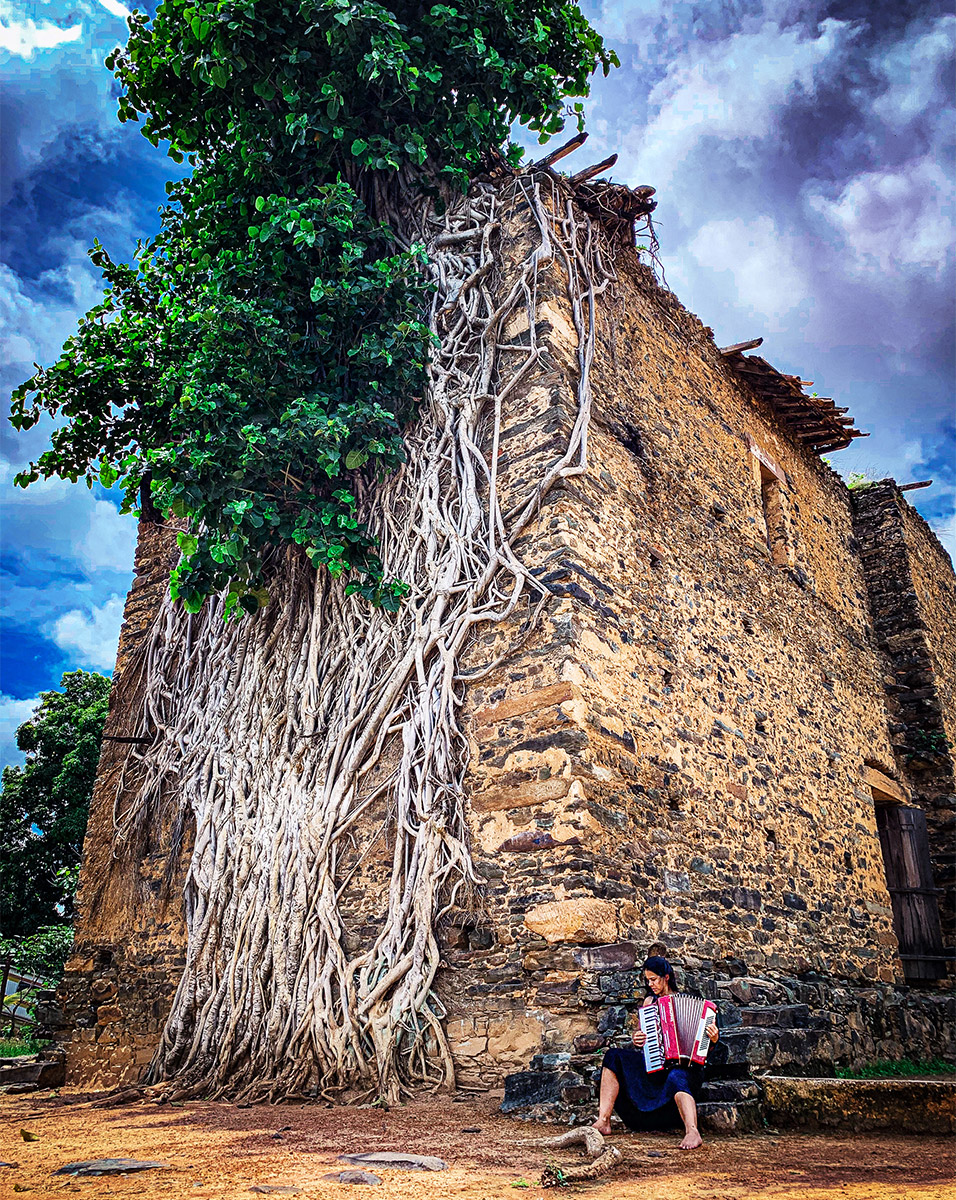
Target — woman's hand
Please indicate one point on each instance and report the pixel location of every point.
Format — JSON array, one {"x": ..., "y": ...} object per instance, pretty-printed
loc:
[
  {"x": 712, "y": 1031},
  {"x": 638, "y": 1037}
]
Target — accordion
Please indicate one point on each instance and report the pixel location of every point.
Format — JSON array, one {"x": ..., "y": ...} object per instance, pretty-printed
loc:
[{"x": 675, "y": 1028}]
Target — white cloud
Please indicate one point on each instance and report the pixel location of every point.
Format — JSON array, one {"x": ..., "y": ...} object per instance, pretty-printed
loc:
[
  {"x": 35, "y": 321},
  {"x": 116, "y": 9},
  {"x": 93, "y": 634},
  {"x": 12, "y": 714},
  {"x": 730, "y": 91},
  {"x": 110, "y": 540},
  {"x": 911, "y": 72},
  {"x": 892, "y": 219},
  {"x": 754, "y": 264},
  {"x": 60, "y": 92},
  {"x": 62, "y": 521},
  {"x": 23, "y": 38},
  {"x": 945, "y": 530}
]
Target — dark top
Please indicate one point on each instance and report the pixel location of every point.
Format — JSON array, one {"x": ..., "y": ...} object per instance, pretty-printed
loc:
[{"x": 646, "y": 1101}]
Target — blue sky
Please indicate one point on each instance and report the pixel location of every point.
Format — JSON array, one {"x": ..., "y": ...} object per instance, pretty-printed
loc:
[{"x": 802, "y": 151}]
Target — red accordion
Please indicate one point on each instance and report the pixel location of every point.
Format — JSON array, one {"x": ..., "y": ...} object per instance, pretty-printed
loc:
[{"x": 676, "y": 1030}]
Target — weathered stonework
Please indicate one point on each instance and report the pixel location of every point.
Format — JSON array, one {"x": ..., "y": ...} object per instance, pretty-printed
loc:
[
  {"x": 677, "y": 751},
  {"x": 913, "y": 599},
  {"x": 129, "y": 949}
]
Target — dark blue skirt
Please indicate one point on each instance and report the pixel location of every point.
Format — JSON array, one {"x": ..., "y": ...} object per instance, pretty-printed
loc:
[{"x": 646, "y": 1101}]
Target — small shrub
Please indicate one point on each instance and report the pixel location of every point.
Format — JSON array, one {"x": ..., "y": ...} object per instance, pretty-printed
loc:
[
  {"x": 15, "y": 1047},
  {"x": 904, "y": 1068}
]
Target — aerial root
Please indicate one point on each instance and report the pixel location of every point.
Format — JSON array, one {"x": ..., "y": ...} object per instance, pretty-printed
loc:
[{"x": 277, "y": 735}]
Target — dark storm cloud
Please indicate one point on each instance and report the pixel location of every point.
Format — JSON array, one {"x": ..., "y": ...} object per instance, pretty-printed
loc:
[{"x": 803, "y": 155}]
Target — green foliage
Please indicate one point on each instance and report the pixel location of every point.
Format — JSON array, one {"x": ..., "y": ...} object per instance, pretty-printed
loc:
[
  {"x": 42, "y": 954},
  {"x": 269, "y": 344},
  {"x": 905, "y": 1068},
  {"x": 926, "y": 741},
  {"x": 16, "y": 1046},
  {"x": 858, "y": 480},
  {"x": 331, "y": 84},
  {"x": 44, "y": 806}
]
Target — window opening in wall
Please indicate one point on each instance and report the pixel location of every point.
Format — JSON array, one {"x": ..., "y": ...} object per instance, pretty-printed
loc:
[
  {"x": 774, "y": 507},
  {"x": 904, "y": 842},
  {"x": 771, "y": 498}
]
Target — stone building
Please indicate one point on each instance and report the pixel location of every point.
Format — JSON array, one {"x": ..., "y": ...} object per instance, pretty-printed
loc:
[{"x": 729, "y": 733}]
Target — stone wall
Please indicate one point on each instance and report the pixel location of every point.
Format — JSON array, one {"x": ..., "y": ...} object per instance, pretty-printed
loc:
[
  {"x": 130, "y": 935},
  {"x": 809, "y": 1026},
  {"x": 912, "y": 591},
  {"x": 675, "y": 749},
  {"x": 682, "y": 753}
]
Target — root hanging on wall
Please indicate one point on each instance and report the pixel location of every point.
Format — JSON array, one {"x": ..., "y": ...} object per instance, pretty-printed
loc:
[{"x": 280, "y": 733}]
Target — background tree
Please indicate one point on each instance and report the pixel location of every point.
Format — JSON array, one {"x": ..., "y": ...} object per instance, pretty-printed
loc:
[{"x": 45, "y": 803}]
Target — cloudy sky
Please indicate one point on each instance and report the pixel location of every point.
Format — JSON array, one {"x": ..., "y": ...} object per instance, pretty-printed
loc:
[{"x": 802, "y": 151}]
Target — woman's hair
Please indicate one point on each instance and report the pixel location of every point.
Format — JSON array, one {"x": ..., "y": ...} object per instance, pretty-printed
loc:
[{"x": 659, "y": 966}]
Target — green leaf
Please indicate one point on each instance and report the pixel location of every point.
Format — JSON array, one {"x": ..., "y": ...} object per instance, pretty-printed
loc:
[
  {"x": 108, "y": 475},
  {"x": 187, "y": 544}
]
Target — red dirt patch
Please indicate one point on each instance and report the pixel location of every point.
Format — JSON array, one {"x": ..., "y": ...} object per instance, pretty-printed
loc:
[{"x": 217, "y": 1151}]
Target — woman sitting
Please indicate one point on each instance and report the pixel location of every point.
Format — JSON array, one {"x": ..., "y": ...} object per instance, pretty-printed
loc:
[{"x": 660, "y": 1100}]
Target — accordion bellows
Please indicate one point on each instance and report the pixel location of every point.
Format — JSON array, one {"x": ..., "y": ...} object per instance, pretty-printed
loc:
[{"x": 675, "y": 1027}]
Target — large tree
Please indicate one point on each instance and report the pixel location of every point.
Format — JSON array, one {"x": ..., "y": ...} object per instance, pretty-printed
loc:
[
  {"x": 261, "y": 356},
  {"x": 308, "y": 356},
  {"x": 45, "y": 803}
]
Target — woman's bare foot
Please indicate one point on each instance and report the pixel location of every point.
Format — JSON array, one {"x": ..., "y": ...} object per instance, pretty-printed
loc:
[
  {"x": 602, "y": 1126},
  {"x": 692, "y": 1140}
]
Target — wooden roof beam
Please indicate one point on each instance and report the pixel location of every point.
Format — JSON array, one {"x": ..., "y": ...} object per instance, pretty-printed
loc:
[
  {"x": 590, "y": 172},
  {"x": 740, "y": 347},
  {"x": 556, "y": 155}
]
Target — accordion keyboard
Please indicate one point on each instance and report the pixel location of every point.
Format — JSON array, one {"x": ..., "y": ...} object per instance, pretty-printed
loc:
[{"x": 650, "y": 1024}]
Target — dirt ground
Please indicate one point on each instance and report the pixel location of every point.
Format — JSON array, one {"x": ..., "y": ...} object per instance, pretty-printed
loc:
[{"x": 220, "y": 1151}]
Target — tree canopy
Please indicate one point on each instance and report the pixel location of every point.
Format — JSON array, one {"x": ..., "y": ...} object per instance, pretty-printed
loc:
[
  {"x": 45, "y": 803},
  {"x": 256, "y": 363}
]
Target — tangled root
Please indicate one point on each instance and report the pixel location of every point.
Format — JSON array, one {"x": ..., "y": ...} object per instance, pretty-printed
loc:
[
  {"x": 280, "y": 738},
  {"x": 604, "y": 1158},
  {"x": 555, "y": 1176}
]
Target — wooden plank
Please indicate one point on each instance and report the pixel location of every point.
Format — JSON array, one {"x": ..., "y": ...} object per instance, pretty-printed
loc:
[
  {"x": 741, "y": 346},
  {"x": 904, "y": 841},
  {"x": 763, "y": 457},
  {"x": 879, "y": 781},
  {"x": 590, "y": 172},
  {"x": 909, "y": 487},
  {"x": 556, "y": 155},
  {"x": 744, "y": 369}
]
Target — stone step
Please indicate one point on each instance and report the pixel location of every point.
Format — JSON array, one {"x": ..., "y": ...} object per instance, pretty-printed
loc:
[
  {"x": 778, "y": 1016},
  {"x": 31, "y": 1070},
  {"x": 730, "y": 1116},
  {"x": 905, "y": 1105},
  {"x": 533, "y": 1090},
  {"x": 737, "y": 1091}
]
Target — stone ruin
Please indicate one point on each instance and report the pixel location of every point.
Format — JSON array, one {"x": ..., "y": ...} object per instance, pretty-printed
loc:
[{"x": 730, "y": 733}]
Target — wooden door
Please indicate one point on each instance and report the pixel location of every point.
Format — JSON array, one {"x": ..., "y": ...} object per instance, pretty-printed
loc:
[{"x": 909, "y": 880}]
